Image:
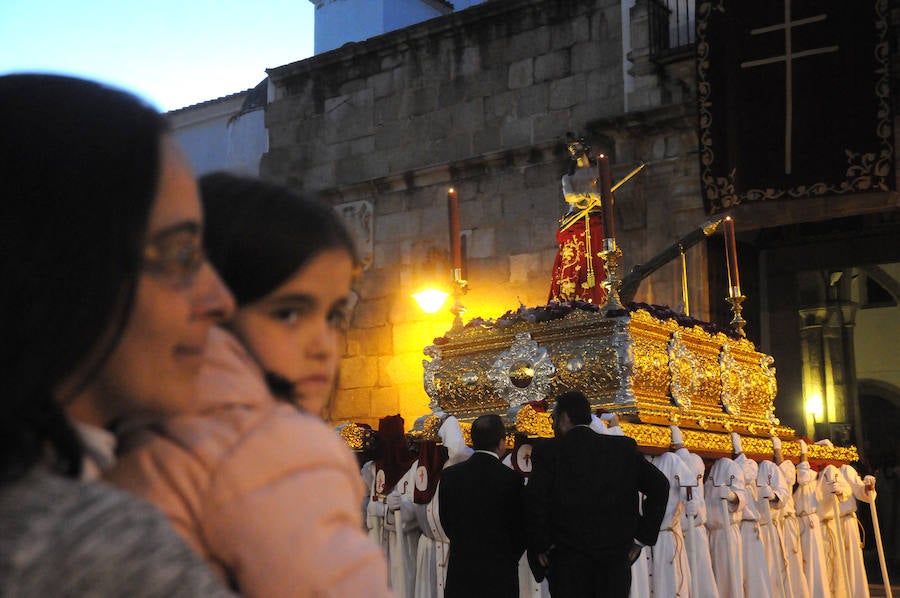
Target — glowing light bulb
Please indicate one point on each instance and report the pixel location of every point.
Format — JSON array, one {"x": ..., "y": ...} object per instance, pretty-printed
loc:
[{"x": 430, "y": 300}]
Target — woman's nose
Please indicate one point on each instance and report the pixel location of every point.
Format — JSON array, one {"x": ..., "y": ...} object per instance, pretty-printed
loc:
[{"x": 213, "y": 300}]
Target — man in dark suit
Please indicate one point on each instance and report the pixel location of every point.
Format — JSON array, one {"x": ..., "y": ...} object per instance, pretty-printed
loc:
[
  {"x": 481, "y": 512},
  {"x": 585, "y": 527}
]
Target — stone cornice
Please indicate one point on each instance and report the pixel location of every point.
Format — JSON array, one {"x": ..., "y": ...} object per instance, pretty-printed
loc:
[
  {"x": 400, "y": 39},
  {"x": 436, "y": 174}
]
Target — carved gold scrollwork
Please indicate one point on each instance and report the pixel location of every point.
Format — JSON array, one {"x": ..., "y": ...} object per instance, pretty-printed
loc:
[
  {"x": 682, "y": 366},
  {"x": 768, "y": 372},
  {"x": 523, "y": 372},
  {"x": 732, "y": 382}
]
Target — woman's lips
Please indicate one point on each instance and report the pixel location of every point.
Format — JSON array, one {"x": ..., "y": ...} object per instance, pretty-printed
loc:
[{"x": 192, "y": 354}]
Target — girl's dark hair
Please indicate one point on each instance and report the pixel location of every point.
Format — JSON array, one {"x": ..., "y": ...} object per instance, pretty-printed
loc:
[
  {"x": 259, "y": 234},
  {"x": 79, "y": 164}
]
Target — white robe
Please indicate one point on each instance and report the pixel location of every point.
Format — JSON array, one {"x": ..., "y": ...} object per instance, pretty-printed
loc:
[
  {"x": 834, "y": 550},
  {"x": 723, "y": 520},
  {"x": 806, "y": 502},
  {"x": 640, "y": 575},
  {"x": 397, "y": 532},
  {"x": 432, "y": 551},
  {"x": 789, "y": 530},
  {"x": 670, "y": 574},
  {"x": 433, "y": 547},
  {"x": 641, "y": 568},
  {"x": 772, "y": 492},
  {"x": 693, "y": 522},
  {"x": 859, "y": 583},
  {"x": 755, "y": 566}
]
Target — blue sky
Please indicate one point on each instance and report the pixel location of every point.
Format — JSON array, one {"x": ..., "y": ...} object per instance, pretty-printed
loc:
[{"x": 173, "y": 53}]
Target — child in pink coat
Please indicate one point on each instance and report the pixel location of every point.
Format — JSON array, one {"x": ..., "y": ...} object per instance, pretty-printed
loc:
[{"x": 254, "y": 479}]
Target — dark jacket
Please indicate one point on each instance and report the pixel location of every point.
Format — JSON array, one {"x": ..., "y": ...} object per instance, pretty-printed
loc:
[
  {"x": 582, "y": 496},
  {"x": 481, "y": 512}
]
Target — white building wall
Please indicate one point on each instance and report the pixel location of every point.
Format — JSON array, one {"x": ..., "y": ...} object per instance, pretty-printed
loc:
[
  {"x": 341, "y": 21},
  {"x": 216, "y": 135}
]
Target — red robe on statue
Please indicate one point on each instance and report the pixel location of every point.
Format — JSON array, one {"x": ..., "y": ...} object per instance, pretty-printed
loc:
[{"x": 572, "y": 269}]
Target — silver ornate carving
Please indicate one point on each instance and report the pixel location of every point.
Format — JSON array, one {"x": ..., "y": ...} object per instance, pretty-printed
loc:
[
  {"x": 682, "y": 366},
  {"x": 575, "y": 364},
  {"x": 431, "y": 368},
  {"x": 622, "y": 344},
  {"x": 732, "y": 382},
  {"x": 523, "y": 372}
]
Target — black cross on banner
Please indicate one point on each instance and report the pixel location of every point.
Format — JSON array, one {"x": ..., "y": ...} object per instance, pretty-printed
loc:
[{"x": 794, "y": 99}]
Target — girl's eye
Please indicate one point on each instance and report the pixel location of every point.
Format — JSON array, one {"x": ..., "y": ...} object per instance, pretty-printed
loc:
[{"x": 287, "y": 316}]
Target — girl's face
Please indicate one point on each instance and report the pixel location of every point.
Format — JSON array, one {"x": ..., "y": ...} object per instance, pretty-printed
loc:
[
  {"x": 296, "y": 331},
  {"x": 152, "y": 369}
]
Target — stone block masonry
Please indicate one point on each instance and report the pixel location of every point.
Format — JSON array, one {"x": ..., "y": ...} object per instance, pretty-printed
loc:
[{"x": 480, "y": 99}]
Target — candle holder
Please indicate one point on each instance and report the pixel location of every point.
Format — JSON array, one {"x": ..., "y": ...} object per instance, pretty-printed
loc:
[
  {"x": 460, "y": 287},
  {"x": 738, "y": 322},
  {"x": 610, "y": 256}
]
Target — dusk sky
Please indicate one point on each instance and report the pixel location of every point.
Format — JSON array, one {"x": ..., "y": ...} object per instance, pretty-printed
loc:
[{"x": 173, "y": 53}]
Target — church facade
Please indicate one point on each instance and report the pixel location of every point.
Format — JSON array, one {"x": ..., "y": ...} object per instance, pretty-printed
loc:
[{"x": 481, "y": 100}]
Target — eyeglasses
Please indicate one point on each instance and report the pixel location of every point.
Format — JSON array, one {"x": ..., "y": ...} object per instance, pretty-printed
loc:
[{"x": 175, "y": 257}]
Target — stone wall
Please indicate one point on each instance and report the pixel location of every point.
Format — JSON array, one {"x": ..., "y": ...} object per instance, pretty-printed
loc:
[{"x": 480, "y": 100}]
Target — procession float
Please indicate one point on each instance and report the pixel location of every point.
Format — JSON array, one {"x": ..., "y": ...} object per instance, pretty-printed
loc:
[{"x": 648, "y": 365}]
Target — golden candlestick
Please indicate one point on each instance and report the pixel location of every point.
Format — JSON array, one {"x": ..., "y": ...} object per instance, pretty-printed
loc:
[
  {"x": 610, "y": 255},
  {"x": 738, "y": 322},
  {"x": 460, "y": 287}
]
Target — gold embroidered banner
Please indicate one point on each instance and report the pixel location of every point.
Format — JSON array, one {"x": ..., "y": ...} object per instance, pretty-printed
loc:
[{"x": 577, "y": 271}]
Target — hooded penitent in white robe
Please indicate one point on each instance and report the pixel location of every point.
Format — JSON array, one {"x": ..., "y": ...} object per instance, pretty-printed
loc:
[
  {"x": 858, "y": 581},
  {"x": 723, "y": 522},
  {"x": 755, "y": 567},
  {"x": 432, "y": 550},
  {"x": 806, "y": 502},
  {"x": 693, "y": 522},
  {"x": 397, "y": 532},
  {"x": 789, "y": 530},
  {"x": 772, "y": 491},
  {"x": 671, "y": 575},
  {"x": 833, "y": 489},
  {"x": 434, "y": 545}
]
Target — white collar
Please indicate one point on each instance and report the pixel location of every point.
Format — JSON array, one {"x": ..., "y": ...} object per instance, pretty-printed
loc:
[
  {"x": 491, "y": 453},
  {"x": 99, "y": 450}
]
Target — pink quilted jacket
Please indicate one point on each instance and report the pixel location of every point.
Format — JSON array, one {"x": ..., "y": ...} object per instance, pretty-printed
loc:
[{"x": 268, "y": 495}]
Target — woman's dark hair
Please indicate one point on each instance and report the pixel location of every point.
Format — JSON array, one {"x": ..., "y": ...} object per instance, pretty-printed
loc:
[
  {"x": 259, "y": 234},
  {"x": 79, "y": 164}
]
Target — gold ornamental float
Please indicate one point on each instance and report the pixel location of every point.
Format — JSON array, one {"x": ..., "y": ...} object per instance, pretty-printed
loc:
[
  {"x": 650, "y": 370},
  {"x": 650, "y": 366}
]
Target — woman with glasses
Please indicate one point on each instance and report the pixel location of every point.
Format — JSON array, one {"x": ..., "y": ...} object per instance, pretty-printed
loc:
[
  {"x": 256, "y": 481},
  {"x": 106, "y": 305}
]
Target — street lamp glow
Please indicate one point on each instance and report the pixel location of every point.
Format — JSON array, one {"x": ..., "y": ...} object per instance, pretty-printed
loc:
[
  {"x": 815, "y": 407},
  {"x": 430, "y": 300}
]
